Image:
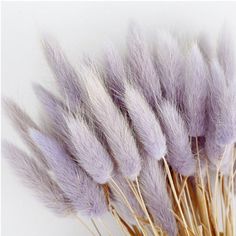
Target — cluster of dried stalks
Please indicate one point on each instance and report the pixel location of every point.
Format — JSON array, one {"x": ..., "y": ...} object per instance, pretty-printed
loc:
[{"x": 148, "y": 137}]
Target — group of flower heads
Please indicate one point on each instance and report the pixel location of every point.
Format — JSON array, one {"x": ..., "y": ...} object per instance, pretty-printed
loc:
[{"x": 118, "y": 119}]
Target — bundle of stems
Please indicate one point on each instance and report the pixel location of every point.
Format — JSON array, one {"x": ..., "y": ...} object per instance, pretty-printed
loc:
[
  {"x": 148, "y": 137},
  {"x": 202, "y": 205}
]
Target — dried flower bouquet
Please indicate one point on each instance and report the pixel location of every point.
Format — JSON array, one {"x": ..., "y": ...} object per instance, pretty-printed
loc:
[{"x": 148, "y": 136}]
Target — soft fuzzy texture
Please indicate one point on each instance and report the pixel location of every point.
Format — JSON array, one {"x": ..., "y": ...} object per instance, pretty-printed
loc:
[
  {"x": 89, "y": 152},
  {"x": 179, "y": 154},
  {"x": 53, "y": 107},
  {"x": 38, "y": 180},
  {"x": 87, "y": 196},
  {"x": 221, "y": 107},
  {"x": 214, "y": 151},
  {"x": 121, "y": 205},
  {"x": 145, "y": 123},
  {"x": 115, "y": 120},
  {"x": 195, "y": 92},
  {"x": 114, "y": 74},
  {"x": 153, "y": 184},
  {"x": 170, "y": 66},
  {"x": 65, "y": 74},
  {"x": 140, "y": 66},
  {"x": 113, "y": 124},
  {"x": 22, "y": 122}
]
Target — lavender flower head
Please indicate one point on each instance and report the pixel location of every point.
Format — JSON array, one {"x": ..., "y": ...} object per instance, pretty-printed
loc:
[
  {"x": 195, "y": 93},
  {"x": 179, "y": 154},
  {"x": 86, "y": 196},
  {"x": 222, "y": 106},
  {"x": 145, "y": 123},
  {"x": 38, "y": 180},
  {"x": 113, "y": 124},
  {"x": 170, "y": 66},
  {"x": 140, "y": 66},
  {"x": 89, "y": 152}
]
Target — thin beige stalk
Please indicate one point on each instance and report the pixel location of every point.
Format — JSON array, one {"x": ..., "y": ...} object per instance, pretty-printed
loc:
[
  {"x": 120, "y": 223},
  {"x": 116, "y": 187},
  {"x": 186, "y": 205},
  {"x": 85, "y": 225},
  {"x": 144, "y": 208},
  {"x": 203, "y": 208},
  {"x": 95, "y": 226},
  {"x": 105, "y": 226},
  {"x": 192, "y": 210},
  {"x": 175, "y": 195}
]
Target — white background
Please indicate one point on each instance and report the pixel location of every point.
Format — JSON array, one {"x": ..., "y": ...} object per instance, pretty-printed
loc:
[{"x": 80, "y": 27}]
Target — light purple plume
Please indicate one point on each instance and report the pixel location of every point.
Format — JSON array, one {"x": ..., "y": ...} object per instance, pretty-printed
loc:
[
  {"x": 54, "y": 108},
  {"x": 145, "y": 123},
  {"x": 112, "y": 122},
  {"x": 170, "y": 66},
  {"x": 226, "y": 57},
  {"x": 179, "y": 154},
  {"x": 57, "y": 113},
  {"x": 226, "y": 54},
  {"x": 221, "y": 107},
  {"x": 140, "y": 66},
  {"x": 195, "y": 92},
  {"x": 87, "y": 196},
  {"x": 154, "y": 189},
  {"x": 89, "y": 152},
  {"x": 64, "y": 73},
  {"x": 121, "y": 206},
  {"x": 22, "y": 122},
  {"x": 115, "y": 74},
  {"x": 37, "y": 179}
]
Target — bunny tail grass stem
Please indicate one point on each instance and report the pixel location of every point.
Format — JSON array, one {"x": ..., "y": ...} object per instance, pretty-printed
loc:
[
  {"x": 223, "y": 205},
  {"x": 175, "y": 194},
  {"x": 132, "y": 187},
  {"x": 180, "y": 184},
  {"x": 105, "y": 226},
  {"x": 229, "y": 201},
  {"x": 208, "y": 182},
  {"x": 203, "y": 207},
  {"x": 124, "y": 230},
  {"x": 192, "y": 209},
  {"x": 118, "y": 189},
  {"x": 85, "y": 225},
  {"x": 232, "y": 193},
  {"x": 140, "y": 200},
  {"x": 233, "y": 201},
  {"x": 95, "y": 226},
  {"x": 138, "y": 196},
  {"x": 215, "y": 197},
  {"x": 186, "y": 204},
  {"x": 125, "y": 227},
  {"x": 144, "y": 207}
]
